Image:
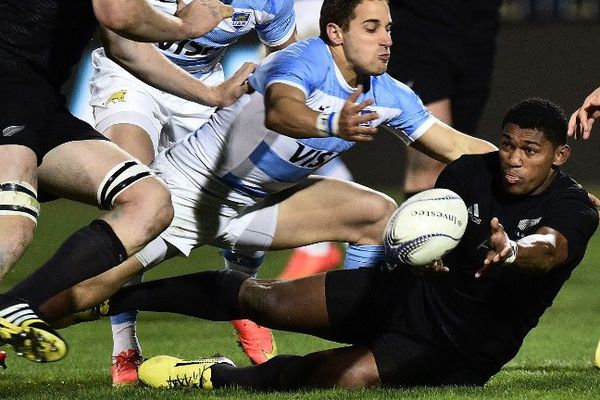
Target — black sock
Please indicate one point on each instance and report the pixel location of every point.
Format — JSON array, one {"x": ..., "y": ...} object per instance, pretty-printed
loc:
[
  {"x": 210, "y": 295},
  {"x": 265, "y": 376},
  {"x": 88, "y": 252}
]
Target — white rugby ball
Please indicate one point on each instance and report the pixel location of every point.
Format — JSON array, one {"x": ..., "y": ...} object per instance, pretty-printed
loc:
[{"x": 425, "y": 227}]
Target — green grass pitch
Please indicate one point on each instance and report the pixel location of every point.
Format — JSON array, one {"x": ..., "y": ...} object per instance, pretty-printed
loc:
[{"x": 554, "y": 363}]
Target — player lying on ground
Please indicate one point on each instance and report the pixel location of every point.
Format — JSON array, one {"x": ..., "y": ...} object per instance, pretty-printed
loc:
[{"x": 529, "y": 225}]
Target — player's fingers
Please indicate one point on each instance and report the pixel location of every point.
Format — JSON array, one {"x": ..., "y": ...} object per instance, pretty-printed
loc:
[
  {"x": 356, "y": 108},
  {"x": 571, "y": 131},
  {"x": 243, "y": 72},
  {"x": 226, "y": 11},
  {"x": 482, "y": 271},
  {"x": 364, "y": 118},
  {"x": 587, "y": 133}
]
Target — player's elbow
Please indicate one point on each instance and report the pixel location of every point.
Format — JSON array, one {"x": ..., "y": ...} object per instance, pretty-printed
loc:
[
  {"x": 114, "y": 16},
  {"x": 273, "y": 121}
]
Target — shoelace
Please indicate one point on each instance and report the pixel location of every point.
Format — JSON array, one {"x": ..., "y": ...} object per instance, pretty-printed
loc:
[{"x": 126, "y": 361}]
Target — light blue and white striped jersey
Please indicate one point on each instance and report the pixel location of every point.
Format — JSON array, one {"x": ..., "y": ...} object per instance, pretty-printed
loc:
[
  {"x": 273, "y": 20},
  {"x": 308, "y": 65},
  {"x": 237, "y": 158}
]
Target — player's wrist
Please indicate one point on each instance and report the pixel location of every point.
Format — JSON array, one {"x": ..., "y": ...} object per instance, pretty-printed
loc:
[
  {"x": 327, "y": 124},
  {"x": 514, "y": 247}
]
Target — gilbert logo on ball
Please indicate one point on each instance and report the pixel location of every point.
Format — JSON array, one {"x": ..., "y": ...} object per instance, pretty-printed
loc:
[{"x": 425, "y": 227}]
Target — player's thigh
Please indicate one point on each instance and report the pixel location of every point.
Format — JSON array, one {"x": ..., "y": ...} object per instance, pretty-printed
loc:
[
  {"x": 409, "y": 360},
  {"x": 346, "y": 367},
  {"x": 120, "y": 100},
  {"x": 133, "y": 139},
  {"x": 324, "y": 209},
  {"x": 75, "y": 170}
]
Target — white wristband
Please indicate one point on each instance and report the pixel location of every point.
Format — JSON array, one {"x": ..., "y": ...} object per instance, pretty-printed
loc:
[
  {"x": 514, "y": 247},
  {"x": 327, "y": 124}
]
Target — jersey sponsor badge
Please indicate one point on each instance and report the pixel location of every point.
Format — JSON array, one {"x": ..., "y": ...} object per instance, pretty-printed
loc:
[{"x": 240, "y": 19}]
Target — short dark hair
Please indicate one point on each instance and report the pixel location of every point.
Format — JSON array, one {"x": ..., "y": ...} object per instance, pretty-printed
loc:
[
  {"x": 340, "y": 12},
  {"x": 542, "y": 115}
]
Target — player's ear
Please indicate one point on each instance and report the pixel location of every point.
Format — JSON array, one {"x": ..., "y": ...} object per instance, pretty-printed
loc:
[
  {"x": 335, "y": 34},
  {"x": 561, "y": 155}
]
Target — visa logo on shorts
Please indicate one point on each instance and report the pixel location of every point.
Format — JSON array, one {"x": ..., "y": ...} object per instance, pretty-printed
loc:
[
  {"x": 240, "y": 19},
  {"x": 310, "y": 158}
]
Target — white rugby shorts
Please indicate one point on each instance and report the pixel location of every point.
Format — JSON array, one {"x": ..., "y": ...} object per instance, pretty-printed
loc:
[
  {"x": 204, "y": 218},
  {"x": 119, "y": 97}
]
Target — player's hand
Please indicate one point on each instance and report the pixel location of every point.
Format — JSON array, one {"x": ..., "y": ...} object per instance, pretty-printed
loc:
[
  {"x": 499, "y": 244},
  {"x": 201, "y": 16},
  {"x": 353, "y": 122},
  {"x": 582, "y": 120},
  {"x": 436, "y": 267},
  {"x": 234, "y": 87}
]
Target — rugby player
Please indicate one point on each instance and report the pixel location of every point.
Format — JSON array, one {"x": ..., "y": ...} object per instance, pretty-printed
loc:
[{"x": 529, "y": 225}]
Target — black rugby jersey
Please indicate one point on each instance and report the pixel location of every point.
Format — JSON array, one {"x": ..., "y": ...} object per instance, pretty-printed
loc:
[
  {"x": 46, "y": 35},
  {"x": 488, "y": 318}
]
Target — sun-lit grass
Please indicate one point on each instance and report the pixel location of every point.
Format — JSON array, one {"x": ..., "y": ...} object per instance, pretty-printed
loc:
[{"x": 554, "y": 363}]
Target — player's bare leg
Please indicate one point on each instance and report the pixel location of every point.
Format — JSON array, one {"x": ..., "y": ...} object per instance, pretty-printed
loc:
[
  {"x": 323, "y": 209},
  {"x": 142, "y": 210},
  {"x": 21, "y": 329},
  {"x": 133, "y": 139},
  {"x": 17, "y": 224},
  {"x": 127, "y": 351},
  {"x": 421, "y": 170},
  {"x": 298, "y": 305}
]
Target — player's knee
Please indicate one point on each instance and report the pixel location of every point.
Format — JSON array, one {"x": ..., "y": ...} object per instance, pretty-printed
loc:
[
  {"x": 21, "y": 235},
  {"x": 149, "y": 205},
  {"x": 141, "y": 197},
  {"x": 376, "y": 209}
]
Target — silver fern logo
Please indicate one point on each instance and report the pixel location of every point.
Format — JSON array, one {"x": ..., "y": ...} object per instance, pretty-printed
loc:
[
  {"x": 11, "y": 130},
  {"x": 528, "y": 223}
]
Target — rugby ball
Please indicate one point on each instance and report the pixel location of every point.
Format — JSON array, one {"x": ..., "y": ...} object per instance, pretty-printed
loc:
[{"x": 425, "y": 227}]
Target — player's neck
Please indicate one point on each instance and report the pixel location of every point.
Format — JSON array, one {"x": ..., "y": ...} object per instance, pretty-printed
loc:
[{"x": 340, "y": 60}]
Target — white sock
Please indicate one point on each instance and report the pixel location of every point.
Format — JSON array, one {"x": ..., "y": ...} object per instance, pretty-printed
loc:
[{"x": 124, "y": 333}]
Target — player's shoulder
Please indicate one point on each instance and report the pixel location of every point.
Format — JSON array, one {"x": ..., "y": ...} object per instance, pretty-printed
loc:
[
  {"x": 389, "y": 91},
  {"x": 569, "y": 189},
  {"x": 312, "y": 52}
]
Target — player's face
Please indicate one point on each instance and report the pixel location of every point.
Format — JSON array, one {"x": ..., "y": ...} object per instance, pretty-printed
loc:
[
  {"x": 367, "y": 41},
  {"x": 527, "y": 159}
]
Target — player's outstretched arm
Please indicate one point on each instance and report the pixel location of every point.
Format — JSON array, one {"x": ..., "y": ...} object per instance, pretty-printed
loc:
[
  {"x": 580, "y": 124},
  {"x": 445, "y": 144},
  {"x": 139, "y": 20},
  {"x": 148, "y": 64},
  {"x": 537, "y": 253},
  {"x": 288, "y": 114}
]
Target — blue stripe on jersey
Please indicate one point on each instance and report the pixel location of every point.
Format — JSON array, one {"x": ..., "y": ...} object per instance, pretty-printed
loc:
[
  {"x": 328, "y": 144},
  {"x": 236, "y": 183},
  {"x": 275, "y": 167}
]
